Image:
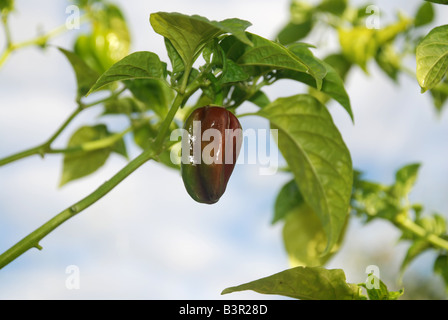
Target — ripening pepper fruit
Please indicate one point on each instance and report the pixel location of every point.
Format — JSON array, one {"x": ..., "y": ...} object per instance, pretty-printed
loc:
[{"x": 214, "y": 142}]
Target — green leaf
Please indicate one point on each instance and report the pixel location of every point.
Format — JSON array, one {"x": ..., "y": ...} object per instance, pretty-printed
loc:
[
  {"x": 432, "y": 58},
  {"x": 358, "y": 45},
  {"x": 300, "y": 24},
  {"x": 389, "y": 61},
  {"x": 287, "y": 200},
  {"x": 333, "y": 84},
  {"x": 293, "y": 32},
  {"x": 440, "y": 94},
  {"x": 424, "y": 15},
  {"x": 304, "y": 238},
  {"x": 260, "y": 99},
  {"x": 155, "y": 94},
  {"x": 339, "y": 63},
  {"x": 416, "y": 248},
  {"x": 85, "y": 76},
  {"x": 388, "y": 33},
  {"x": 433, "y": 224},
  {"x": 316, "y": 67},
  {"x": 336, "y": 7},
  {"x": 306, "y": 283},
  {"x": 270, "y": 54},
  {"x": 405, "y": 179},
  {"x": 382, "y": 292},
  {"x": 78, "y": 164},
  {"x": 6, "y": 6},
  {"x": 120, "y": 148},
  {"x": 374, "y": 201},
  {"x": 317, "y": 155},
  {"x": 232, "y": 72},
  {"x": 137, "y": 65},
  {"x": 189, "y": 34},
  {"x": 109, "y": 40},
  {"x": 438, "y": 1},
  {"x": 441, "y": 268},
  {"x": 177, "y": 64},
  {"x": 144, "y": 134},
  {"x": 125, "y": 105}
]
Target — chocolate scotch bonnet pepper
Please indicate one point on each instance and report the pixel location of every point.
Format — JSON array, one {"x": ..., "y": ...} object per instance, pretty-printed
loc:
[{"x": 214, "y": 142}]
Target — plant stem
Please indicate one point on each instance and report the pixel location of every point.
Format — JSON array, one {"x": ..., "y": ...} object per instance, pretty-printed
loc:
[
  {"x": 247, "y": 114},
  {"x": 94, "y": 145},
  {"x": 404, "y": 223},
  {"x": 7, "y": 30},
  {"x": 21, "y": 155},
  {"x": 45, "y": 147},
  {"x": 32, "y": 240},
  {"x": 40, "y": 40}
]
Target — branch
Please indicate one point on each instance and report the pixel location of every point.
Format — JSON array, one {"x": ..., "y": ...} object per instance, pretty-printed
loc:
[
  {"x": 32, "y": 240},
  {"x": 94, "y": 145},
  {"x": 38, "y": 41},
  {"x": 45, "y": 147},
  {"x": 404, "y": 223}
]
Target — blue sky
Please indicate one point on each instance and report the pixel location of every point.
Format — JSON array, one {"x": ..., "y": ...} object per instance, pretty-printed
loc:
[{"x": 147, "y": 239}]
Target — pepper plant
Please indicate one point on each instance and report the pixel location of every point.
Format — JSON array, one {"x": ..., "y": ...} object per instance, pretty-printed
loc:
[{"x": 156, "y": 97}]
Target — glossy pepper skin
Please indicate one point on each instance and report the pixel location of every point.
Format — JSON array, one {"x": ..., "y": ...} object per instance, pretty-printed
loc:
[{"x": 206, "y": 175}]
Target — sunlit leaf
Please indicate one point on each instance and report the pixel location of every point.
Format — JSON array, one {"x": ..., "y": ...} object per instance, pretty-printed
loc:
[
  {"x": 293, "y": 32},
  {"x": 377, "y": 290},
  {"x": 336, "y": 7},
  {"x": 304, "y": 238},
  {"x": 339, "y": 63},
  {"x": 144, "y": 136},
  {"x": 287, "y": 200},
  {"x": 415, "y": 249},
  {"x": 405, "y": 179},
  {"x": 440, "y": 94},
  {"x": 441, "y": 268},
  {"x": 138, "y": 65},
  {"x": 358, "y": 45},
  {"x": 438, "y": 1},
  {"x": 232, "y": 72},
  {"x": 260, "y": 99},
  {"x": 125, "y": 105},
  {"x": 273, "y": 55},
  {"x": 424, "y": 15},
  {"x": 305, "y": 283},
  {"x": 177, "y": 64},
  {"x": 85, "y": 76},
  {"x": 317, "y": 155},
  {"x": 156, "y": 95},
  {"x": 432, "y": 58},
  {"x": 87, "y": 160},
  {"x": 300, "y": 24},
  {"x": 389, "y": 61},
  {"x": 109, "y": 40},
  {"x": 189, "y": 34},
  {"x": 6, "y": 6}
]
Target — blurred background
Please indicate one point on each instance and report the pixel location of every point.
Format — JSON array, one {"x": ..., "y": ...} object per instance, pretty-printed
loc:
[{"x": 147, "y": 239}]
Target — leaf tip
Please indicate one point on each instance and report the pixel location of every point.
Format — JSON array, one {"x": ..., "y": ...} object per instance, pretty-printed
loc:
[{"x": 226, "y": 291}]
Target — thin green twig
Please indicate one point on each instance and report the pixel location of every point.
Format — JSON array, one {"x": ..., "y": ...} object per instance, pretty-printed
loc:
[
  {"x": 37, "y": 41},
  {"x": 45, "y": 147},
  {"x": 32, "y": 240}
]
